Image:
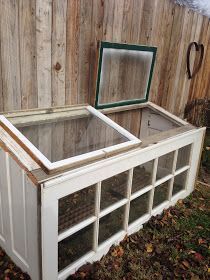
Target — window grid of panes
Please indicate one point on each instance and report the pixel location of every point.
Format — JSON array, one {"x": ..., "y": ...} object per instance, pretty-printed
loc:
[{"x": 90, "y": 217}]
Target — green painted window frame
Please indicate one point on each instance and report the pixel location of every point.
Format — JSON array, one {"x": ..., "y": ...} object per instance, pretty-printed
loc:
[{"x": 110, "y": 45}]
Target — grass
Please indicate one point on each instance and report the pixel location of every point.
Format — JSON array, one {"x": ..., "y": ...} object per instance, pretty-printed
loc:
[{"x": 174, "y": 245}]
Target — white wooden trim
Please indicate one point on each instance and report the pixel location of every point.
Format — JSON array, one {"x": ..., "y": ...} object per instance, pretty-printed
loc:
[
  {"x": 91, "y": 256},
  {"x": 141, "y": 192},
  {"x": 166, "y": 113},
  {"x": 91, "y": 174},
  {"x": 180, "y": 170},
  {"x": 43, "y": 161},
  {"x": 63, "y": 274},
  {"x": 76, "y": 228},
  {"x": 114, "y": 125},
  {"x": 49, "y": 236},
  {"x": 46, "y": 110},
  {"x": 163, "y": 180},
  {"x": 47, "y": 117},
  {"x": 173, "y": 171},
  {"x": 17, "y": 151},
  {"x": 115, "y": 206},
  {"x": 114, "y": 165},
  {"x": 97, "y": 212},
  {"x": 117, "y": 109},
  {"x": 24, "y": 140},
  {"x": 133, "y": 226},
  {"x": 157, "y": 210},
  {"x": 154, "y": 174},
  {"x": 128, "y": 196}
]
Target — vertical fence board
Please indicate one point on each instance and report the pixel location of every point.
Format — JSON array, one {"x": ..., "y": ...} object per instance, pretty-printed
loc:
[
  {"x": 1, "y": 81},
  {"x": 49, "y": 54},
  {"x": 10, "y": 54},
  {"x": 58, "y": 52},
  {"x": 72, "y": 51},
  {"x": 43, "y": 44},
  {"x": 27, "y": 30},
  {"x": 161, "y": 75},
  {"x": 84, "y": 50}
]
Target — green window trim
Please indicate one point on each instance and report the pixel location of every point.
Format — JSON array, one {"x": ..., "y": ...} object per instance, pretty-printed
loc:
[{"x": 110, "y": 45}]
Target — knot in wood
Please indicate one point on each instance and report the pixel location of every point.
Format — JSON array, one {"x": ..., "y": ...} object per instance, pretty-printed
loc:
[{"x": 57, "y": 66}]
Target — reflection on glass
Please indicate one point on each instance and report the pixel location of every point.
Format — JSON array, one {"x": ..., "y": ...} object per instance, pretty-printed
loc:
[
  {"x": 111, "y": 224},
  {"x": 142, "y": 176},
  {"x": 61, "y": 139},
  {"x": 74, "y": 247},
  {"x": 76, "y": 207},
  {"x": 139, "y": 207},
  {"x": 124, "y": 75},
  {"x": 183, "y": 156},
  {"x": 165, "y": 165},
  {"x": 179, "y": 182},
  {"x": 161, "y": 194},
  {"x": 113, "y": 189}
]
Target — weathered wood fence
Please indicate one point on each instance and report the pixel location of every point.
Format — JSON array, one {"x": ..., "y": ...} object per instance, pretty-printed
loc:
[{"x": 48, "y": 49}]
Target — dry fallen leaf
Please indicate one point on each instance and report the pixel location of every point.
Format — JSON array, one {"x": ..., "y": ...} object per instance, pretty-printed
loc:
[
  {"x": 118, "y": 252},
  {"x": 186, "y": 264},
  {"x": 195, "y": 277},
  {"x": 198, "y": 257},
  {"x": 201, "y": 241},
  {"x": 149, "y": 247},
  {"x": 82, "y": 274}
]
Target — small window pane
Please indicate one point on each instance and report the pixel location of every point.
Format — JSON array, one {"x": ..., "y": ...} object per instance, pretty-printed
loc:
[
  {"x": 139, "y": 207},
  {"x": 183, "y": 158},
  {"x": 114, "y": 189},
  {"x": 115, "y": 83},
  {"x": 73, "y": 136},
  {"x": 179, "y": 183},
  {"x": 161, "y": 194},
  {"x": 165, "y": 165},
  {"x": 142, "y": 176},
  {"x": 75, "y": 246},
  {"x": 111, "y": 224},
  {"x": 76, "y": 207}
]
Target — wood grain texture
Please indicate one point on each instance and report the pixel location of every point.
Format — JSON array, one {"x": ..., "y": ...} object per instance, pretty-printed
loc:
[
  {"x": 59, "y": 9},
  {"x": 27, "y": 37},
  {"x": 44, "y": 48},
  {"x": 72, "y": 51},
  {"x": 10, "y": 59},
  {"x": 48, "y": 50}
]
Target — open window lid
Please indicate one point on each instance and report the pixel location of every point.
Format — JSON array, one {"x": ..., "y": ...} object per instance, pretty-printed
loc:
[
  {"x": 65, "y": 137},
  {"x": 124, "y": 74}
]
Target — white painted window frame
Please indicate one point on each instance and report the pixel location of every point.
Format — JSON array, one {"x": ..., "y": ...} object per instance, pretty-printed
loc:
[
  {"x": 51, "y": 167},
  {"x": 94, "y": 174}
]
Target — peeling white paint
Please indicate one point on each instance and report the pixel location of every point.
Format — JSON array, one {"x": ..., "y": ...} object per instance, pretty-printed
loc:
[{"x": 201, "y": 6}]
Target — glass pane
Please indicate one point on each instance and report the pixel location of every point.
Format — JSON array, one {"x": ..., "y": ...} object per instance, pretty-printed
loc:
[
  {"x": 183, "y": 156},
  {"x": 139, "y": 207},
  {"x": 116, "y": 83},
  {"x": 76, "y": 207},
  {"x": 142, "y": 176},
  {"x": 161, "y": 194},
  {"x": 75, "y": 246},
  {"x": 113, "y": 189},
  {"x": 165, "y": 165},
  {"x": 111, "y": 224},
  {"x": 179, "y": 182},
  {"x": 60, "y": 139}
]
